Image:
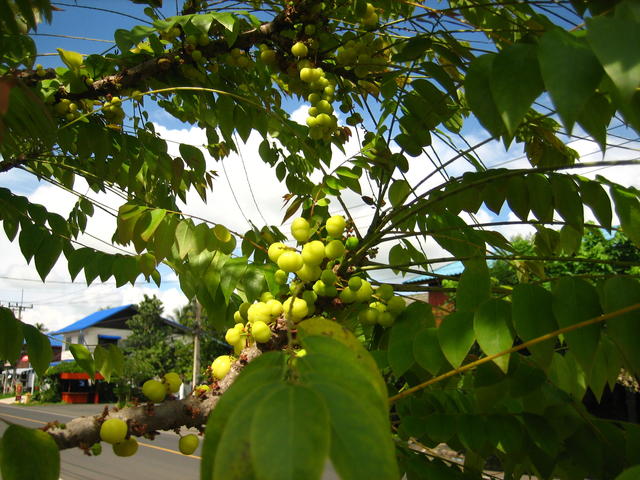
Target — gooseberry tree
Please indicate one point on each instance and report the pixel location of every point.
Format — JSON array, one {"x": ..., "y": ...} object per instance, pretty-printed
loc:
[{"x": 328, "y": 363}]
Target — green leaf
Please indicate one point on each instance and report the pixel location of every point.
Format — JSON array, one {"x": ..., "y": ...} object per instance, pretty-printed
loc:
[
  {"x": 83, "y": 357},
  {"x": 227, "y": 20},
  {"x": 596, "y": 116},
  {"x": 518, "y": 197},
  {"x": 164, "y": 237},
  {"x": 232, "y": 457},
  {"x": 361, "y": 445},
  {"x": 611, "y": 38},
  {"x": 566, "y": 374},
  {"x": 38, "y": 347},
  {"x": 232, "y": 272},
  {"x": 73, "y": 60},
  {"x": 290, "y": 434},
  {"x": 47, "y": 255},
  {"x": 185, "y": 238},
  {"x": 493, "y": 329},
  {"x": 128, "y": 215},
  {"x": 336, "y": 331},
  {"x": 569, "y": 88},
  {"x": 427, "y": 352},
  {"x": 628, "y": 210},
  {"x": 116, "y": 357},
  {"x": 595, "y": 197},
  {"x": 102, "y": 362},
  {"x": 632, "y": 473},
  {"x": 413, "y": 320},
  {"x": 540, "y": 196},
  {"x": 10, "y": 336},
  {"x": 125, "y": 39},
  {"x": 474, "y": 286},
  {"x": 620, "y": 292},
  {"x": 30, "y": 239},
  {"x": 29, "y": 453},
  {"x": 146, "y": 263},
  {"x": 352, "y": 374},
  {"x": 456, "y": 336},
  {"x": 606, "y": 366},
  {"x": 148, "y": 223},
  {"x": 515, "y": 82},
  {"x": 567, "y": 200},
  {"x": 533, "y": 317},
  {"x": 574, "y": 301},
  {"x": 477, "y": 85},
  {"x": 398, "y": 192},
  {"x": 265, "y": 370}
]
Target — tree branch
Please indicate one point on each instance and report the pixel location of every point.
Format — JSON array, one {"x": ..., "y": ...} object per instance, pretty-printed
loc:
[{"x": 149, "y": 419}]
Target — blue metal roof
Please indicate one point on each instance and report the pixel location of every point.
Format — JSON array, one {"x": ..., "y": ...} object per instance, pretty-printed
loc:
[
  {"x": 453, "y": 268},
  {"x": 92, "y": 319},
  {"x": 55, "y": 340}
]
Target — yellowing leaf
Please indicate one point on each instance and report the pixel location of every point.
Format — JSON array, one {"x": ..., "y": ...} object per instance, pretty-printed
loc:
[{"x": 73, "y": 60}]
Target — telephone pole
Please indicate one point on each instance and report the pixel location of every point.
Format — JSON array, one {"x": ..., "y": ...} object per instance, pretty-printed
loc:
[{"x": 196, "y": 344}]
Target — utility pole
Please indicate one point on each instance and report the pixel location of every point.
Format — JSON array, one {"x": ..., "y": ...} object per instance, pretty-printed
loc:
[{"x": 196, "y": 344}]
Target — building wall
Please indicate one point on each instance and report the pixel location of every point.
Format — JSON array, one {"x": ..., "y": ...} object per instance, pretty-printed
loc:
[{"x": 90, "y": 338}]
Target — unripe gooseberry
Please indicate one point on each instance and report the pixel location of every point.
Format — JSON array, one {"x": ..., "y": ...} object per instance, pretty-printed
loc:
[
  {"x": 232, "y": 336},
  {"x": 334, "y": 249},
  {"x": 275, "y": 250},
  {"x": 328, "y": 277},
  {"x": 351, "y": 243},
  {"x": 290, "y": 261},
  {"x": 335, "y": 224},
  {"x": 348, "y": 295},
  {"x": 355, "y": 283},
  {"x": 309, "y": 273},
  {"x": 299, "y": 49},
  {"x": 385, "y": 319},
  {"x": 385, "y": 291},
  {"x": 396, "y": 305},
  {"x": 300, "y": 229},
  {"x": 281, "y": 277},
  {"x": 368, "y": 316},
  {"x": 154, "y": 390},
  {"x": 188, "y": 444},
  {"x": 295, "y": 308},
  {"x": 172, "y": 382},
  {"x": 260, "y": 332},
  {"x": 275, "y": 307},
  {"x": 221, "y": 366},
  {"x": 313, "y": 252},
  {"x": 259, "y": 312},
  {"x": 126, "y": 448},
  {"x": 113, "y": 430}
]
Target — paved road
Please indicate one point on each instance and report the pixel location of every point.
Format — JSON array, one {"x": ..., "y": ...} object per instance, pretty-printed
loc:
[{"x": 157, "y": 460}]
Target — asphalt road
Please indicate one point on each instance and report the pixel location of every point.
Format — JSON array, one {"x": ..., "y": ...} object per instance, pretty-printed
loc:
[{"x": 155, "y": 460}]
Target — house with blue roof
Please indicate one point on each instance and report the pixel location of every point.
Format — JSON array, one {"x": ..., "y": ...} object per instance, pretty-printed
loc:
[{"x": 103, "y": 327}]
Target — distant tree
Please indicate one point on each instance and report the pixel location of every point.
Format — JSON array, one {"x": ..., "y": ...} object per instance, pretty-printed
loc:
[
  {"x": 41, "y": 327},
  {"x": 212, "y": 342},
  {"x": 152, "y": 349},
  {"x": 610, "y": 255}
]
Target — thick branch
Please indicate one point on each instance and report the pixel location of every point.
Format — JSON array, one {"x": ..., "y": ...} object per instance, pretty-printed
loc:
[{"x": 144, "y": 419}]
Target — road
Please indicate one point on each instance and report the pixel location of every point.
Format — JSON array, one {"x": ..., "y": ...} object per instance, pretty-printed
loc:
[{"x": 155, "y": 460}]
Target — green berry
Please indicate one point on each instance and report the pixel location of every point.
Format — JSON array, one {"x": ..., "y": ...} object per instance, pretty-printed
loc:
[
  {"x": 113, "y": 430},
  {"x": 188, "y": 444}
]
